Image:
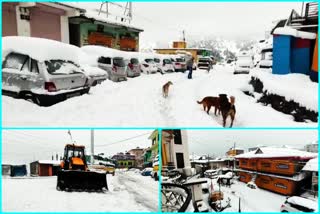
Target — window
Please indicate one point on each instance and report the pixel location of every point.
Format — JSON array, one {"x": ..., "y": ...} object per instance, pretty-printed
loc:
[
  {"x": 265, "y": 181},
  {"x": 243, "y": 162},
  {"x": 180, "y": 160},
  {"x": 149, "y": 60},
  {"x": 118, "y": 61},
  {"x": 134, "y": 61},
  {"x": 157, "y": 60},
  {"x": 280, "y": 185},
  {"x": 266, "y": 165},
  {"x": 177, "y": 137},
  {"x": 129, "y": 163},
  {"x": 167, "y": 61},
  {"x": 282, "y": 166},
  {"x": 60, "y": 67},
  {"x": 16, "y": 61},
  {"x": 34, "y": 66},
  {"x": 104, "y": 60}
]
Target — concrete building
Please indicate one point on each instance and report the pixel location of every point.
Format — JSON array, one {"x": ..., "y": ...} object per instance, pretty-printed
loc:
[
  {"x": 175, "y": 150},
  {"x": 312, "y": 147},
  {"x": 138, "y": 153},
  {"x": 48, "y": 20},
  {"x": 124, "y": 160}
]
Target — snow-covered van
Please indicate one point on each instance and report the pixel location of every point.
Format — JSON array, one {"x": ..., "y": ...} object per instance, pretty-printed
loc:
[
  {"x": 110, "y": 60},
  {"x": 155, "y": 166},
  {"x": 42, "y": 70},
  {"x": 133, "y": 64},
  {"x": 164, "y": 63},
  {"x": 179, "y": 63},
  {"x": 266, "y": 58},
  {"x": 244, "y": 63},
  {"x": 205, "y": 63}
]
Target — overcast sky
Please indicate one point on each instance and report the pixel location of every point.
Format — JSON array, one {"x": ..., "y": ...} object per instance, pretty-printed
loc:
[
  {"x": 164, "y": 21},
  {"x": 24, "y": 146},
  {"x": 218, "y": 142}
]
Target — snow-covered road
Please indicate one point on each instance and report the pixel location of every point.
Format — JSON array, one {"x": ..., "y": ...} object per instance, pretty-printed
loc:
[
  {"x": 128, "y": 192},
  {"x": 139, "y": 103}
]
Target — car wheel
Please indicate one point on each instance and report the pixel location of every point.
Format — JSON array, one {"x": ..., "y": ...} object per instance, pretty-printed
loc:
[{"x": 40, "y": 101}]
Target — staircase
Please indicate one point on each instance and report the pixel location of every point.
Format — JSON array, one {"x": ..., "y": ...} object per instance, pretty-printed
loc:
[{"x": 306, "y": 22}]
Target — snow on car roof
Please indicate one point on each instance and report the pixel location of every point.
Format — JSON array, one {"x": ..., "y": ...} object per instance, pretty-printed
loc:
[
  {"x": 294, "y": 32},
  {"x": 311, "y": 165},
  {"x": 304, "y": 202},
  {"x": 101, "y": 51},
  {"x": 39, "y": 49},
  {"x": 273, "y": 152},
  {"x": 293, "y": 86}
]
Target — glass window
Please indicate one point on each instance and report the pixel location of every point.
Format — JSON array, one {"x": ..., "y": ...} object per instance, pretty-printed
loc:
[
  {"x": 34, "y": 66},
  {"x": 149, "y": 60},
  {"x": 177, "y": 137},
  {"x": 118, "y": 61},
  {"x": 105, "y": 60},
  {"x": 15, "y": 61},
  {"x": 60, "y": 67},
  {"x": 157, "y": 60},
  {"x": 167, "y": 61},
  {"x": 134, "y": 61}
]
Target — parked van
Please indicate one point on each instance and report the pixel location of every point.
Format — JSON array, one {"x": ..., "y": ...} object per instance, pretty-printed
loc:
[
  {"x": 42, "y": 70},
  {"x": 133, "y": 64},
  {"x": 109, "y": 60},
  {"x": 179, "y": 63},
  {"x": 148, "y": 66},
  {"x": 244, "y": 63},
  {"x": 205, "y": 63}
]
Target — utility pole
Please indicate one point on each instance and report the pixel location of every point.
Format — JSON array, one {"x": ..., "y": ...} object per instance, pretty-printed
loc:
[{"x": 92, "y": 146}]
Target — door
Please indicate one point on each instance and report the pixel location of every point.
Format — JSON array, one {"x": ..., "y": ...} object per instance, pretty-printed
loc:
[
  {"x": 180, "y": 160},
  {"x": 45, "y": 24}
]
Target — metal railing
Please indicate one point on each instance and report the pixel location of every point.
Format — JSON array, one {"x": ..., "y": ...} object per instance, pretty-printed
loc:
[{"x": 175, "y": 197}]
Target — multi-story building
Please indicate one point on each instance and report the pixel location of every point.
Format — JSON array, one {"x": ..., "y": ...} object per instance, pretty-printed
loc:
[
  {"x": 275, "y": 169},
  {"x": 175, "y": 149},
  {"x": 138, "y": 153},
  {"x": 124, "y": 160}
]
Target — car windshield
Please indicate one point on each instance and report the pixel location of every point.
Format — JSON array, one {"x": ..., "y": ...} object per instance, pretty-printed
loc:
[
  {"x": 61, "y": 67},
  {"x": 180, "y": 59},
  {"x": 149, "y": 60},
  {"x": 167, "y": 61},
  {"x": 204, "y": 60},
  {"x": 134, "y": 61},
  {"x": 118, "y": 61},
  {"x": 75, "y": 152},
  {"x": 157, "y": 60}
]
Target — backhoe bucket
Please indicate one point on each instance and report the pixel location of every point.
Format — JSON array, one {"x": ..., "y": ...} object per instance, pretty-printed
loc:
[{"x": 81, "y": 181}]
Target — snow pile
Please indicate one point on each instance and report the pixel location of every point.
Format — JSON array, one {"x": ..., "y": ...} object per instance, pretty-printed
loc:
[
  {"x": 273, "y": 152},
  {"x": 311, "y": 165},
  {"x": 294, "y": 32},
  {"x": 97, "y": 51},
  {"x": 93, "y": 70},
  {"x": 296, "y": 87},
  {"x": 40, "y": 49},
  {"x": 53, "y": 162},
  {"x": 304, "y": 202}
]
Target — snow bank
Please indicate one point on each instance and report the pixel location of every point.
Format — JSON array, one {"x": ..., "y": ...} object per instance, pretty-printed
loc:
[
  {"x": 97, "y": 51},
  {"x": 40, "y": 49},
  {"x": 272, "y": 152},
  {"x": 296, "y": 87},
  {"x": 53, "y": 162},
  {"x": 312, "y": 165},
  {"x": 294, "y": 32}
]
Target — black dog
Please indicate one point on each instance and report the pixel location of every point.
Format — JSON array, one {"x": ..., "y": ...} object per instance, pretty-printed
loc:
[{"x": 227, "y": 108}]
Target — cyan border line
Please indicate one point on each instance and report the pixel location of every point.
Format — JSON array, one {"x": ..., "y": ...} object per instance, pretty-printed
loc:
[
  {"x": 225, "y": 1},
  {"x": 160, "y": 168}
]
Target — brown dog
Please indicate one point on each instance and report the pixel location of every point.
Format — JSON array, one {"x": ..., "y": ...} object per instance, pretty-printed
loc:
[
  {"x": 208, "y": 102},
  {"x": 227, "y": 108},
  {"x": 165, "y": 89}
]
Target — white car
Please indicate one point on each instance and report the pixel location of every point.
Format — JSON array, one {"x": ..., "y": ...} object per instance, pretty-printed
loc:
[
  {"x": 244, "y": 63},
  {"x": 148, "y": 66},
  {"x": 299, "y": 204}
]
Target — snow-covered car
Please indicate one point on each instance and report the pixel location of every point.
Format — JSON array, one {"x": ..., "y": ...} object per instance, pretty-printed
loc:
[
  {"x": 110, "y": 60},
  {"x": 155, "y": 166},
  {"x": 46, "y": 75},
  {"x": 179, "y": 64},
  {"x": 205, "y": 63},
  {"x": 244, "y": 63},
  {"x": 266, "y": 58},
  {"x": 95, "y": 74},
  {"x": 299, "y": 204},
  {"x": 148, "y": 66},
  {"x": 134, "y": 67},
  {"x": 147, "y": 171}
]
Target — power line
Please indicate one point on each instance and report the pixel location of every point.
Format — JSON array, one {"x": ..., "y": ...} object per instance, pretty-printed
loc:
[{"x": 120, "y": 141}]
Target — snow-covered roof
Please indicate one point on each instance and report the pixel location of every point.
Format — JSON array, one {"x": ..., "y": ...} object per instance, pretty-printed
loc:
[
  {"x": 92, "y": 13},
  {"x": 304, "y": 202},
  {"x": 294, "y": 32},
  {"x": 39, "y": 48},
  {"x": 273, "y": 152},
  {"x": 311, "y": 165},
  {"x": 53, "y": 162}
]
